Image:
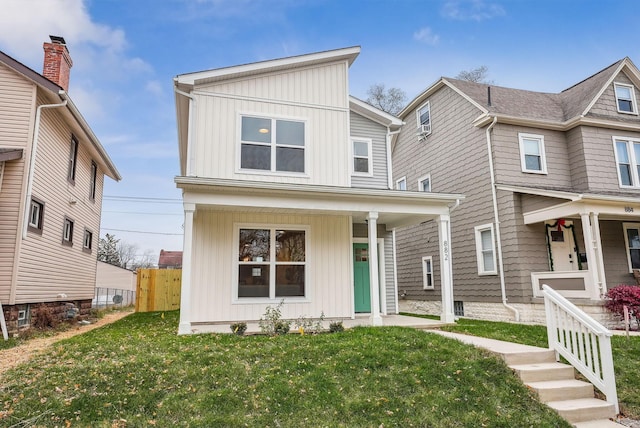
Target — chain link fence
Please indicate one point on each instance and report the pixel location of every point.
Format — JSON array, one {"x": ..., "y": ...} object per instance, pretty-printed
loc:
[{"x": 113, "y": 297}]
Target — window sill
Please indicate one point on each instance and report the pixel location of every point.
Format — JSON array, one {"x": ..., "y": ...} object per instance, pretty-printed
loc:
[
  {"x": 525, "y": 171},
  {"x": 633, "y": 113},
  {"x": 67, "y": 243},
  {"x": 263, "y": 300},
  {"x": 273, "y": 173},
  {"x": 492, "y": 273}
]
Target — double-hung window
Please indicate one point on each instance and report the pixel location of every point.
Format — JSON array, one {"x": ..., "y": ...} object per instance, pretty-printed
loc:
[
  {"x": 275, "y": 145},
  {"x": 401, "y": 183},
  {"x": 73, "y": 159},
  {"x": 424, "y": 183},
  {"x": 628, "y": 161},
  {"x": 92, "y": 183},
  {"x": 625, "y": 98},
  {"x": 423, "y": 116},
  {"x": 36, "y": 216},
  {"x": 67, "y": 232},
  {"x": 427, "y": 273},
  {"x": 87, "y": 241},
  {"x": 485, "y": 250},
  {"x": 532, "y": 156},
  {"x": 632, "y": 242},
  {"x": 362, "y": 164},
  {"x": 272, "y": 262}
]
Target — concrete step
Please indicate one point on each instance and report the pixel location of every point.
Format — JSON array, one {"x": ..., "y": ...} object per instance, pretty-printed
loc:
[
  {"x": 600, "y": 423},
  {"x": 529, "y": 357},
  {"x": 583, "y": 409},
  {"x": 567, "y": 389},
  {"x": 543, "y": 371}
]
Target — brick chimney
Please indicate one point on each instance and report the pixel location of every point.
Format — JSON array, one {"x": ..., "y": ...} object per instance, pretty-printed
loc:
[{"x": 57, "y": 62}]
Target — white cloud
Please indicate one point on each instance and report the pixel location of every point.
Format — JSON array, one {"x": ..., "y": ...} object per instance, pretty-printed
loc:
[
  {"x": 154, "y": 87},
  {"x": 425, "y": 35},
  {"x": 471, "y": 10}
]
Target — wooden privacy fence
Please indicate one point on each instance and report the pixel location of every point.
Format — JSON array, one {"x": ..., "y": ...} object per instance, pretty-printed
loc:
[{"x": 158, "y": 289}]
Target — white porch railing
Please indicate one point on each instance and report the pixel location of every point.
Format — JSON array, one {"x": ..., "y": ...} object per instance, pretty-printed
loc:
[{"x": 582, "y": 341}]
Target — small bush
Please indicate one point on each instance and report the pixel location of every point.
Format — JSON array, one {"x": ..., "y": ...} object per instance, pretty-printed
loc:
[
  {"x": 336, "y": 327},
  {"x": 621, "y": 296},
  {"x": 272, "y": 323},
  {"x": 44, "y": 318},
  {"x": 239, "y": 328},
  {"x": 281, "y": 327}
]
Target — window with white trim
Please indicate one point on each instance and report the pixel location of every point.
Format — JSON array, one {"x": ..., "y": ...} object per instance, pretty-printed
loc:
[
  {"x": 423, "y": 117},
  {"x": 87, "y": 241},
  {"x": 628, "y": 161},
  {"x": 24, "y": 315},
  {"x": 272, "y": 262},
  {"x": 485, "y": 250},
  {"x": 36, "y": 216},
  {"x": 632, "y": 243},
  {"x": 67, "y": 232},
  {"x": 401, "y": 183},
  {"x": 625, "y": 98},
  {"x": 362, "y": 157},
  {"x": 92, "y": 183},
  {"x": 73, "y": 159},
  {"x": 424, "y": 183},
  {"x": 274, "y": 145},
  {"x": 427, "y": 273},
  {"x": 532, "y": 158}
]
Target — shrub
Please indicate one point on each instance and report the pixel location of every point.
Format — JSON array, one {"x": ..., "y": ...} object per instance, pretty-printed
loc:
[
  {"x": 44, "y": 318},
  {"x": 272, "y": 323},
  {"x": 239, "y": 328},
  {"x": 336, "y": 327},
  {"x": 621, "y": 296}
]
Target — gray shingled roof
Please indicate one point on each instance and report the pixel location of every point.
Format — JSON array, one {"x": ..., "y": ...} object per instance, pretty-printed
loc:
[{"x": 537, "y": 105}]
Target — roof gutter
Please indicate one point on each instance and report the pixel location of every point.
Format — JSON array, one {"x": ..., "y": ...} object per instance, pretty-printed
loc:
[{"x": 496, "y": 219}]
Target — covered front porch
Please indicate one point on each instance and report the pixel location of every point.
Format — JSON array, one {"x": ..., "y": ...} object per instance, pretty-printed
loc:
[{"x": 593, "y": 241}]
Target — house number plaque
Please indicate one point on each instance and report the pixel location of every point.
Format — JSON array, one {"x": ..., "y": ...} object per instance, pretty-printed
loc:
[{"x": 628, "y": 209}]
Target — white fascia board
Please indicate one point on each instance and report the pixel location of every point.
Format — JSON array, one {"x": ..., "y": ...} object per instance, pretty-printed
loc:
[
  {"x": 349, "y": 54},
  {"x": 373, "y": 113},
  {"x": 541, "y": 192},
  {"x": 566, "y": 209}
]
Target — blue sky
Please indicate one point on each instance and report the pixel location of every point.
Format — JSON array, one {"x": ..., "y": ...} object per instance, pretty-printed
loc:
[{"x": 126, "y": 53}]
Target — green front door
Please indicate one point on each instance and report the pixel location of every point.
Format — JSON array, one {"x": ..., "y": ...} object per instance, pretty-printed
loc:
[{"x": 362, "y": 291}]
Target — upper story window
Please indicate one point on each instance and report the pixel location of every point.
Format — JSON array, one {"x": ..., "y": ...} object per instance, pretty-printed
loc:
[
  {"x": 625, "y": 98},
  {"x": 628, "y": 160},
  {"x": 423, "y": 116},
  {"x": 87, "y": 241},
  {"x": 485, "y": 250},
  {"x": 424, "y": 183},
  {"x": 67, "y": 232},
  {"x": 73, "y": 158},
  {"x": 36, "y": 216},
  {"x": 532, "y": 158},
  {"x": 274, "y": 145},
  {"x": 401, "y": 184},
  {"x": 362, "y": 164},
  {"x": 92, "y": 184}
]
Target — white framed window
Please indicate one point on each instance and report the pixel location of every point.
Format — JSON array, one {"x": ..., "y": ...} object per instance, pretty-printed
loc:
[
  {"x": 92, "y": 183},
  {"x": 632, "y": 243},
  {"x": 24, "y": 315},
  {"x": 486, "y": 250},
  {"x": 73, "y": 159},
  {"x": 272, "y": 145},
  {"x": 424, "y": 183},
  {"x": 401, "y": 183},
  {"x": 628, "y": 160},
  {"x": 427, "y": 273},
  {"x": 423, "y": 118},
  {"x": 271, "y": 262},
  {"x": 67, "y": 232},
  {"x": 625, "y": 98},
  {"x": 36, "y": 216},
  {"x": 362, "y": 156},
  {"x": 87, "y": 241},
  {"x": 532, "y": 157}
]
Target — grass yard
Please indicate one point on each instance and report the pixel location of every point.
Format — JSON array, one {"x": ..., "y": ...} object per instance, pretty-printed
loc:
[
  {"x": 626, "y": 354},
  {"x": 137, "y": 372}
]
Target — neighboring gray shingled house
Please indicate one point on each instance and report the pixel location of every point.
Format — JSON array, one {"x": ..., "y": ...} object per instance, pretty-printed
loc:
[{"x": 552, "y": 186}]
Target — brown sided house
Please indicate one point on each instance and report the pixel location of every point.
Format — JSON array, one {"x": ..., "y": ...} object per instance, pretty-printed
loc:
[
  {"x": 52, "y": 170},
  {"x": 552, "y": 186}
]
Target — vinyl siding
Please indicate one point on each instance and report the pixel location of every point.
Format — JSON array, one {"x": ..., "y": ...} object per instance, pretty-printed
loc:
[
  {"x": 577, "y": 152},
  {"x": 455, "y": 154},
  {"x": 606, "y": 105},
  {"x": 109, "y": 276},
  {"x": 329, "y": 275},
  {"x": 16, "y": 119},
  {"x": 615, "y": 254},
  {"x": 365, "y": 128},
  {"x": 48, "y": 268},
  {"x": 315, "y": 95}
]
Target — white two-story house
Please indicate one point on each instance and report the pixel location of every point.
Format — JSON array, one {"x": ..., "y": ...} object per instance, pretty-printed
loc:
[{"x": 286, "y": 183}]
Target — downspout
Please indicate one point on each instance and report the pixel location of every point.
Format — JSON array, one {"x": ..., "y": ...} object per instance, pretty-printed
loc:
[
  {"x": 496, "y": 219},
  {"x": 192, "y": 103},
  {"x": 389, "y": 162},
  {"x": 32, "y": 163}
]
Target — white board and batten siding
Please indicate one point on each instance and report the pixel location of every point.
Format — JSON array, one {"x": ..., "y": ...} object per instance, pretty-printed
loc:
[
  {"x": 47, "y": 268},
  {"x": 362, "y": 127},
  {"x": 16, "y": 121},
  {"x": 315, "y": 95},
  {"x": 215, "y": 252}
]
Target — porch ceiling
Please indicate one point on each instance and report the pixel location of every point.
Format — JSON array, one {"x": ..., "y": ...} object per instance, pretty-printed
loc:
[{"x": 394, "y": 208}]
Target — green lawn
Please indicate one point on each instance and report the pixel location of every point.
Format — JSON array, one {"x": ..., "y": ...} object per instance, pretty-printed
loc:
[
  {"x": 626, "y": 354},
  {"x": 138, "y": 372}
]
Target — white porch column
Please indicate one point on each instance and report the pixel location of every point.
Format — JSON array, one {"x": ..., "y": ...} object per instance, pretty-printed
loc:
[
  {"x": 587, "y": 232},
  {"x": 446, "y": 269},
  {"x": 597, "y": 244},
  {"x": 374, "y": 280},
  {"x": 185, "y": 292}
]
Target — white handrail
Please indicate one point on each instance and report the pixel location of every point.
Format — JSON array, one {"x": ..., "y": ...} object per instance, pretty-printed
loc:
[{"x": 582, "y": 341}]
